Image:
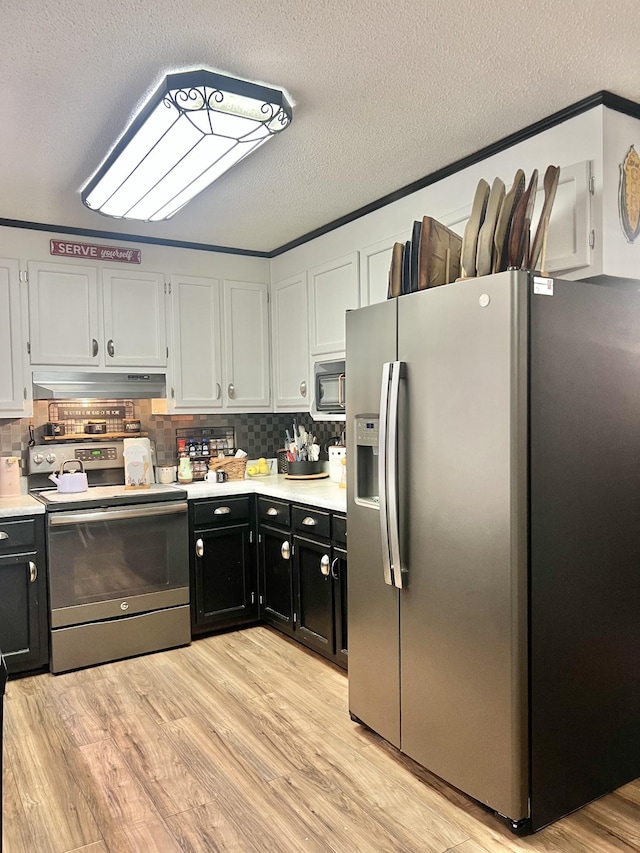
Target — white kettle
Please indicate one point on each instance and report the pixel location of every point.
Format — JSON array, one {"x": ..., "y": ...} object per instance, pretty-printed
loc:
[{"x": 69, "y": 482}]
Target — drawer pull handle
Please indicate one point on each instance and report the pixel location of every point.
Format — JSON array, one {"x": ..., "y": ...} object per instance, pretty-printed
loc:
[
  {"x": 3, "y": 535},
  {"x": 33, "y": 572},
  {"x": 222, "y": 510},
  {"x": 334, "y": 571},
  {"x": 272, "y": 511},
  {"x": 285, "y": 550},
  {"x": 325, "y": 565},
  {"x": 111, "y": 350},
  {"x": 94, "y": 347},
  {"x": 199, "y": 547},
  {"x": 308, "y": 521}
]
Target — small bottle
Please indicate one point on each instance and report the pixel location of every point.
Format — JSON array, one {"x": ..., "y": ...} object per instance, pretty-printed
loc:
[{"x": 343, "y": 477}]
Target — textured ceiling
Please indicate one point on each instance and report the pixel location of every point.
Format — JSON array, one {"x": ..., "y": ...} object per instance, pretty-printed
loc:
[{"x": 384, "y": 94}]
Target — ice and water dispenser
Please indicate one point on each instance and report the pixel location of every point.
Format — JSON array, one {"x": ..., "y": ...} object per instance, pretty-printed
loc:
[{"x": 366, "y": 473}]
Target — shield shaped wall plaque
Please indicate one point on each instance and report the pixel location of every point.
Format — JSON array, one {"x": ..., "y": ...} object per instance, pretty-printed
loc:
[{"x": 629, "y": 195}]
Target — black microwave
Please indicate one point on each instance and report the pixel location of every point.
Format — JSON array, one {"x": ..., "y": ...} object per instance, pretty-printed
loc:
[{"x": 329, "y": 381}]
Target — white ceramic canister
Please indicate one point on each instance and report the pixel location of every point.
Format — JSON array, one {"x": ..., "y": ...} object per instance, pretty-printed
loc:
[
  {"x": 336, "y": 454},
  {"x": 9, "y": 476}
]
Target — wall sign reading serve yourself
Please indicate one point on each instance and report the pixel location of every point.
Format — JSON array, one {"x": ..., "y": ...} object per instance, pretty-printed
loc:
[{"x": 95, "y": 252}]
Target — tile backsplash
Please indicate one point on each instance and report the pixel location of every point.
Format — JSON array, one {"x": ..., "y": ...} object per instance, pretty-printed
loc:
[{"x": 260, "y": 434}]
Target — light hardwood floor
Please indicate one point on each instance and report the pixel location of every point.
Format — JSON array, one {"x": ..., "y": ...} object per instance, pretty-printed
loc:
[{"x": 240, "y": 742}]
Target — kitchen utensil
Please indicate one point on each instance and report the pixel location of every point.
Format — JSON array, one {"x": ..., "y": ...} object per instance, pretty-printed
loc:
[
  {"x": 484, "y": 256},
  {"x": 439, "y": 254},
  {"x": 69, "y": 482},
  {"x": 470, "y": 238},
  {"x": 9, "y": 476},
  {"x": 95, "y": 427},
  {"x": 500, "y": 259},
  {"x": 517, "y": 235},
  {"x": 550, "y": 183},
  {"x": 54, "y": 428},
  {"x": 396, "y": 269}
]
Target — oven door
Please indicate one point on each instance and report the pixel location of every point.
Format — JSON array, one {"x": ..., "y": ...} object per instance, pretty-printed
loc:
[{"x": 110, "y": 562}]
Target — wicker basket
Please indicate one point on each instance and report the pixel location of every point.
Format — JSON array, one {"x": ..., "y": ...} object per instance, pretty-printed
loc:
[{"x": 233, "y": 468}]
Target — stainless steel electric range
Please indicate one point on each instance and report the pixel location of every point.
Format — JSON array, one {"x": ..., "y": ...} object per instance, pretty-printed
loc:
[{"x": 118, "y": 559}]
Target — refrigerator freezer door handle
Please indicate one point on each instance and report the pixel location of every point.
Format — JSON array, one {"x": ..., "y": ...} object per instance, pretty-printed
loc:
[
  {"x": 397, "y": 374},
  {"x": 382, "y": 471}
]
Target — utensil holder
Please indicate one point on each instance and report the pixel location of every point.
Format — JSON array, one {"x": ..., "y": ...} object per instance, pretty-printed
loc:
[{"x": 302, "y": 469}]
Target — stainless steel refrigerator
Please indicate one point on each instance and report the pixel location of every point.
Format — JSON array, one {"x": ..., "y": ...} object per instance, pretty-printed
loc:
[{"x": 493, "y": 446}]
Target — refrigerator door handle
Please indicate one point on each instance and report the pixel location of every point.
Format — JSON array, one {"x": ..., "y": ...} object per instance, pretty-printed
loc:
[
  {"x": 398, "y": 373},
  {"x": 382, "y": 470}
]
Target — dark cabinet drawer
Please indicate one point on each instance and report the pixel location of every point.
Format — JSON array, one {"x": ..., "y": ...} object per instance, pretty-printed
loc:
[
  {"x": 311, "y": 522},
  {"x": 339, "y": 533},
  {"x": 208, "y": 513},
  {"x": 17, "y": 534},
  {"x": 274, "y": 512}
]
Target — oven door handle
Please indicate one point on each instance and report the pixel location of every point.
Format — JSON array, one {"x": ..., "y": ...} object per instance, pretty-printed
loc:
[{"x": 56, "y": 519}]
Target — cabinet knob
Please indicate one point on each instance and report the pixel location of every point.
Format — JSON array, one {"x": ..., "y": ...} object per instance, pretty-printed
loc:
[
  {"x": 231, "y": 391},
  {"x": 222, "y": 510},
  {"x": 303, "y": 388},
  {"x": 218, "y": 391},
  {"x": 285, "y": 550},
  {"x": 308, "y": 521},
  {"x": 110, "y": 348},
  {"x": 33, "y": 571},
  {"x": 199, "y": 547},
  {"x": 272, "y": 511},
  {"x": 94, "y": 347},
  {"x": 325, "y": 565}
]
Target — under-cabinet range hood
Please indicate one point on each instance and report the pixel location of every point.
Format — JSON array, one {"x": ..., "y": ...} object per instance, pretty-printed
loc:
[{"x": 69, "y": 385}]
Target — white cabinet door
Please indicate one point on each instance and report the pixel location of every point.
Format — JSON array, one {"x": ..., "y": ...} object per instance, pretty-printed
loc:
[
  {"x": 11, "y": 352},
  {"x": 570, "y": 223},
  {"x": 290, "y": 343},
  {"x": 246, "y": 347},
  {"x": 63, "y": 314},
  {"x": 134, "y": 318},
  {"x": 333, "y": 290},
  {"x": 375, "y": 263},
  {"x": 196, "y": 350}
]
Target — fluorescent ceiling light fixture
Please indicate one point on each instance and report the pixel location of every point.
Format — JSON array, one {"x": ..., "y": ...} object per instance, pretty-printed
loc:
[{"x": 195, "y": 126}]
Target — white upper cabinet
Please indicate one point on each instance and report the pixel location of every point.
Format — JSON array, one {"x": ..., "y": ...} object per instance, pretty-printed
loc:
[
  {"x": 63, "y": 314},
  {"x": 333, "y": 290},
  {"x": 195, "y": 359},
  {"x": 375, "y": 262},
  {"x": 77, "y": 319},
  {"x": 11, "y": 351},
  {"x": 134, "y": 318},
  {"x": 290, "y": 345},
  {"x": 246, "y": 363}
]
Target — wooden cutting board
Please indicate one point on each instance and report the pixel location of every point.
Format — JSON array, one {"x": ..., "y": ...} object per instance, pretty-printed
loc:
[
  {"x": 470, "y": 239},
  {"x": 550, "y": 184},
  {"x": 484, "y": 256},
  {"x": 439, "y": 255},
  {"x": 503, "y": 225},
  {"x": 395, "y": 273}
]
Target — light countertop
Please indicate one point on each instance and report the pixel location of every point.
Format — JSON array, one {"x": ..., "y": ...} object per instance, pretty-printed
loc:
[
  {"x": 20, "y": 505},
  {"x": 324, "y": 494}
]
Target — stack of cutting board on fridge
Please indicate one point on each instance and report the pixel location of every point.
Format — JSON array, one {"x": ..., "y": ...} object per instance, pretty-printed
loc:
[{"x": 496, "y": 237}]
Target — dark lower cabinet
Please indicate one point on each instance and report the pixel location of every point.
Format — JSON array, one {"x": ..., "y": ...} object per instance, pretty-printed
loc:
[
  {"x": 24, "y": 636},
  {"x": 339, "y": 576},
  {"x": 276, "y": 578},
  {"x": 314, "y": 588},
  {"x": 224, "y": 591}
]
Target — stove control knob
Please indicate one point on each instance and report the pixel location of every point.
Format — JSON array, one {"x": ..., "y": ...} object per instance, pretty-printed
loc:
[
  {"x": 50, "y": 457},
  {"x": 38, "y": 458}
]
